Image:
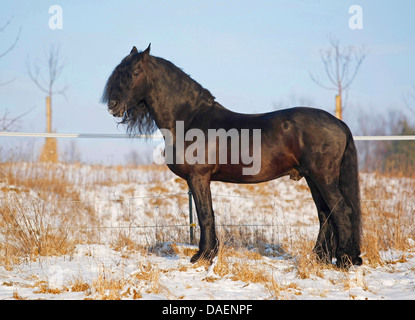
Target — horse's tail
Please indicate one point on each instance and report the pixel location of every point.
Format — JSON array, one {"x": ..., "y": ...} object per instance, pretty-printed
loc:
[{"x": 349, "y": 187}]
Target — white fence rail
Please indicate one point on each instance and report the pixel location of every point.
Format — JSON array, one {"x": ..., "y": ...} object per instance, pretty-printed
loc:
[
  {"x": 159, "y": 137},
  {"x": 384, "y": 138},
  {"x": 79, "y": 135}
]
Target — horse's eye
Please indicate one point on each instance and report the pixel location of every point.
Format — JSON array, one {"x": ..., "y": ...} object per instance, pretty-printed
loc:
[{"x": 135, "y": 74}]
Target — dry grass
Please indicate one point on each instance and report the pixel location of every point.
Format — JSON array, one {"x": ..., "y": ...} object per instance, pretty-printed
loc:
[
  {"x": 249, "y": 267},
  {"x": 245, "y": 270},
  {"x": 280, "y": 291},
  {"x": 109, "y": 286},
  {"x": 306, "y": 263},
  {"x": 32, "y": 228},
  {"x": 148, "y": 277},
  {"x": 183, "y": 251},
  {"x": 43, "y": 287},
  {"x": 79, "y": 285},
  {"x": 41, "y": 214},
  {"x": 388, "y": 221},
  {"x": 45, "y": 179}
]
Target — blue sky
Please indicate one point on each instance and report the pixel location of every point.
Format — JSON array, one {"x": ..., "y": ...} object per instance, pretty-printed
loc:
[{"x": 252, "y": 55}]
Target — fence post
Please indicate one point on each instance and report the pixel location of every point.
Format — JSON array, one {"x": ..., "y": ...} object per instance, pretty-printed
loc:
[
  {"x": 191, "y": 217},
  {"x": 49, "y": 151},
  {"x": 339, "y": 107}
]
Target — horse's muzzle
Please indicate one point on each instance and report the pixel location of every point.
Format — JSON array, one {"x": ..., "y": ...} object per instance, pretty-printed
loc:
[
  {"x": 114, "y": 108},
  {"x": 112, "y": 104}
]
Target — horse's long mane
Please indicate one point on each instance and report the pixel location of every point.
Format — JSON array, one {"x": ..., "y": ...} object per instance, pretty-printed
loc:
[
  {"x": 138, "y": 119},
  {"x": 181, "y": 82},
  {"x": 119, "y": 81}
]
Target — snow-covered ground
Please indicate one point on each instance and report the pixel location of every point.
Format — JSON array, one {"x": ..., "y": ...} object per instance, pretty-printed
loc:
[
  {"x": 176, "y": 278},
  {"x": 259, "y": 225}
]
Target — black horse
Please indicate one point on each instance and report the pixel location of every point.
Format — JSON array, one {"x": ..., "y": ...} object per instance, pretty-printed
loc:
[{"x": 149, "y": 92}]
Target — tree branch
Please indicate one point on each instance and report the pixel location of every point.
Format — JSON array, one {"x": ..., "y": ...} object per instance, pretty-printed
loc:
[
  {"x": 54, "y": 71},
  {"x": 35, "y": 78},
  {"x": 9, "y": 48},
  {"x": 7, "y": 123},
  {"x": 327, "y": 61},
  {"x": 316, "y": 81},
  {"x": 359, "y": 57},
  {"x": 15, "y": 40},
  {"x": 338, "y": 63}
]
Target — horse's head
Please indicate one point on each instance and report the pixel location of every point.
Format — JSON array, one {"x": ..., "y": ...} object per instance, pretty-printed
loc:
[
  {"x": 127, "y": 86},
  {"x": 126, "y": 91}
]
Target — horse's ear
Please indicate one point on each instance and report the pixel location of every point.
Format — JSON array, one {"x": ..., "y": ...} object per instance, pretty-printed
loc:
[
  {"x": 133, "y": 50},
  {"x": 147, "y": 51}
]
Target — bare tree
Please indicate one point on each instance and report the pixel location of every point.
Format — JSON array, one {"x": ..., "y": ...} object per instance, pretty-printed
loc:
[
  {"x": 8, "y": 122},
  {"x": 11, "y": 123},
  {"x": 341, "y": 66},
  {"x": 46, "y": 83},
  {"x": 10, "y": 47},
  {"x": 54, "y": 67}
]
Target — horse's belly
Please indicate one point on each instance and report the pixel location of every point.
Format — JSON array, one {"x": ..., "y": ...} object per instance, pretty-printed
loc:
[{"x": 235, "y": 174}]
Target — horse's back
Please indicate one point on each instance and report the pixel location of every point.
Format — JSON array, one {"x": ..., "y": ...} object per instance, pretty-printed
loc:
[{"x": 311, "y": 126}]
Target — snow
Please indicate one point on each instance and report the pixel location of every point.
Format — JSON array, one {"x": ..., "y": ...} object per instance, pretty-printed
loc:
[
  {"x": 181, "y": 280},
  {"x": 98, "y": 269}
]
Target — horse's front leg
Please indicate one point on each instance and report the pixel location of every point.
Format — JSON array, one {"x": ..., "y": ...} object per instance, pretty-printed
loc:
[{"x": 208, "y": 244}]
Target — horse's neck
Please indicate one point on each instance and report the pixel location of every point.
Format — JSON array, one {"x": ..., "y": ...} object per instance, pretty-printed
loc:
[{"x": 172, "y": 99}]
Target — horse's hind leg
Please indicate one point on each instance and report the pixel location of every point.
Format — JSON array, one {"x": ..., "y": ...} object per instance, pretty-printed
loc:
[
  {"x": 326, "y": 243},
  {"x": 341, "y": 216},
  {"x": 208, "y": 244}
]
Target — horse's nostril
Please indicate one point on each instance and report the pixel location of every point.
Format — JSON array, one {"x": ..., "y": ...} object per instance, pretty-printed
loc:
[{"x": 112, "y": 104}]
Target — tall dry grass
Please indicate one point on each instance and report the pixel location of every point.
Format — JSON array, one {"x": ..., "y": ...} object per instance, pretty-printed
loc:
[
  {"x": 42, "y": 214},
  {"x": 388, "y": 217},
  {"x": 33, "y": 228}
]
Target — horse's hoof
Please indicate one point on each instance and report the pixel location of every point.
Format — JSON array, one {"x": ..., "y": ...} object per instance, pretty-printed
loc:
[
  {"x": 206, "y": 255},
  {"x": 357, "y": 261},
  {"x": 196, "y": 257},
  {"x": 346, "y": 262}
]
